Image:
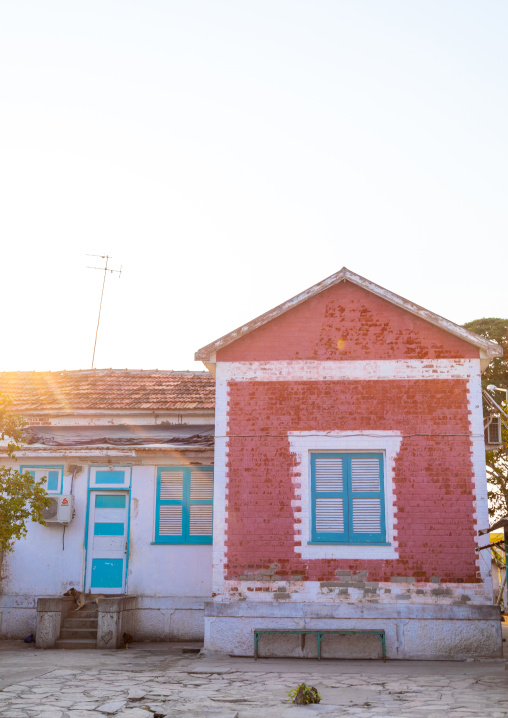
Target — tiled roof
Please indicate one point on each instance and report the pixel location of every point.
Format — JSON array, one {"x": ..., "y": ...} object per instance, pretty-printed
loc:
[{"x": 108, "y": 389}]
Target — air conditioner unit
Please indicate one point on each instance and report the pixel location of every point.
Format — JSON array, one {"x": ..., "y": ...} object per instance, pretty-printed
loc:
[
  {"x": 493, "y": 433},
  {"x": 60, "y": 510}
]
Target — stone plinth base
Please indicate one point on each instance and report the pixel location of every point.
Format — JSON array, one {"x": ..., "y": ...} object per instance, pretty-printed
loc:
[
  {"x": 413, "y": 632},
  {"x": 160, "y": 618}
]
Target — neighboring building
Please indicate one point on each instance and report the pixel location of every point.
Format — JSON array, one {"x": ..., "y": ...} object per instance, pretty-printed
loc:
[
  {"x": 134, "y": 451},
  {"x": 350, "y": 478}
]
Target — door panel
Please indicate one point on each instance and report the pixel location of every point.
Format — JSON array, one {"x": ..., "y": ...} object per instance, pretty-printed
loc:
[{"x": 107, "y": 541}]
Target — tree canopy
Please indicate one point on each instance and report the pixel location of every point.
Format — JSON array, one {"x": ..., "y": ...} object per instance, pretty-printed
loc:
[
  {"x": 496, "y": 330},
  {"x": 497, "y": 373},
  {"x": 22, "y": 498}
]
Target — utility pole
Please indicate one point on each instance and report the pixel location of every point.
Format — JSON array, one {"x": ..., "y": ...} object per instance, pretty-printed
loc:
[{"x": 105, "y": 270}]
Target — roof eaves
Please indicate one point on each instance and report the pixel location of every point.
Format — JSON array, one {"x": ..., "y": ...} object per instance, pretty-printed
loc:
[{"x": 490, "y": 348}]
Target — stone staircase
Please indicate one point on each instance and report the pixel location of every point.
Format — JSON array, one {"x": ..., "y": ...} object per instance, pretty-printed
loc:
[{"x": 79, "y": 629}]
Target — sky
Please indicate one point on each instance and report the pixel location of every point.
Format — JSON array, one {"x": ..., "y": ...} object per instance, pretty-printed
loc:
[{"x": 230, "y": 154}]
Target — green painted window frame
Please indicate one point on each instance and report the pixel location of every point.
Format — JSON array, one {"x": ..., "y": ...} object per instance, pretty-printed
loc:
[{"x": 186, "y": 502}]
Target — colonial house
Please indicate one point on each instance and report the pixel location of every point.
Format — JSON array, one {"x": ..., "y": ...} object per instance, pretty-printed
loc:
[
  {"x": 116, "y": 448},
  {"x": 348, "y": 480}
]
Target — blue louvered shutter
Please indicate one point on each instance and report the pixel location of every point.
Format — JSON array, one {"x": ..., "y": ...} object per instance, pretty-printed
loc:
[
  {"x": 184, "y": 508},
  {"x": 329, "y": 498},
  {"x": 200, "y": 517},
  {"x": 169, "y": 520},
  {"x": 366, "y": 498}
]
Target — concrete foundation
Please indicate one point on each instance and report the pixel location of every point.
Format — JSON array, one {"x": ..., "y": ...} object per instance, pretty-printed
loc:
[
  {"x": 167, "y": 618},
  {"x": 417, "y": 632}
]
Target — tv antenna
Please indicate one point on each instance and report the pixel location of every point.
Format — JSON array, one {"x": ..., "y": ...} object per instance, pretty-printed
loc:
[{"x": 104, "y": 269}]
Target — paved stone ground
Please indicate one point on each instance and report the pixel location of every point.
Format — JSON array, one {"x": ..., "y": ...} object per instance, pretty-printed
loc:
[{"x": 156, "y": 680}]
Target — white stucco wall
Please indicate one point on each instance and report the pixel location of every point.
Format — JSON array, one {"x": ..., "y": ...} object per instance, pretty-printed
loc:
[{"x": 161, "y": 570}]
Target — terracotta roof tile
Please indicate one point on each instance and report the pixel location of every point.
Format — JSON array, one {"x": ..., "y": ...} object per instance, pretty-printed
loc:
[{"x": 108, "y": 389}]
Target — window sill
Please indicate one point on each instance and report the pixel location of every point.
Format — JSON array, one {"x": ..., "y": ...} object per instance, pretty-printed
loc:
[
  {"x": 180, "y": 543},
  {"x": 344, "y": 543}
]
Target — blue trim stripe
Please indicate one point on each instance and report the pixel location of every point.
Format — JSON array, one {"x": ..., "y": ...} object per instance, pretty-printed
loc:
[
  {"x": 110, "y": 502},
  {"x": 107, "y": 573},
  {"x": 110, "y": 477},
  {"x": 109, "y": 529}
]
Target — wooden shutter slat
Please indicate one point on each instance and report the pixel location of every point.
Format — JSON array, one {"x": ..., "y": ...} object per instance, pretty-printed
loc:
[
  {"x": 366, "y": 516},
  {"x": 201, "y": 520},
  {"x": 201, "y": 486},
  {"x": 365, "y": 475},
  {"x": 170, "y": 520},
  {"x": 171, "y": 486},
  {"x": 328, "y": 474},
  {"x": 329, "y": 515}
]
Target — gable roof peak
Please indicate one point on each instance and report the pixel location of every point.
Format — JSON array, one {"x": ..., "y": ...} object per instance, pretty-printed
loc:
[{"x": 488, "y": 348}]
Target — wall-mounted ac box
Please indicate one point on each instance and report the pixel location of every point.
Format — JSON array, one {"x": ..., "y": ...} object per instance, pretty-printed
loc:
[{"x": 60, "y": 510}]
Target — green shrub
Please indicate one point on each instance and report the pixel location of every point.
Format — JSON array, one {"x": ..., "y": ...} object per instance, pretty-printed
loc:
[{"x": 303, "y": 694}]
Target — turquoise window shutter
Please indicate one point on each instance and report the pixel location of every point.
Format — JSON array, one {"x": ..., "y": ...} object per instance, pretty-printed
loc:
[
  {"x": 184, "y": 506},
  {"x": 200, "y": 527},
  {"x": 367, "y": 516},
  {"x": 329, "y": 497},
  {"x": 347, "y": 494}
]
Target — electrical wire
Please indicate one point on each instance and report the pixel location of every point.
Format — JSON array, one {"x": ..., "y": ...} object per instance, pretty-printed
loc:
[{"x": 344, "y": 436}]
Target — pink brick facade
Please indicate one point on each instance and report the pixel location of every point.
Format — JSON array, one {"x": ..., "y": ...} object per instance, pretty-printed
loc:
[
  {"x": 369, "y": 327},
  {"x": 435, "y": 491},
  {"x": 345, "y": 369}
]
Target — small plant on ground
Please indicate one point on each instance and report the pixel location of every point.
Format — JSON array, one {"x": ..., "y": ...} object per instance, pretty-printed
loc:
[{"x": 304, "y": 694}]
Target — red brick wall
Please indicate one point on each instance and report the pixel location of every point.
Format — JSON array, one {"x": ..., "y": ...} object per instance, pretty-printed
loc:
[
  {"x": 433, "y": 475},
  {"x": 369, "y": 327}
]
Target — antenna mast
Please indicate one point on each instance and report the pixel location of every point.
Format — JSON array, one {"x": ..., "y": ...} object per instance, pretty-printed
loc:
[{"x": 105, "y": 270}]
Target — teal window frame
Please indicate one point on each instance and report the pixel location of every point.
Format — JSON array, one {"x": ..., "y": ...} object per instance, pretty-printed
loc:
[
  {"x": 347, "y": 495},
  {"x": 185, "y": 503}
]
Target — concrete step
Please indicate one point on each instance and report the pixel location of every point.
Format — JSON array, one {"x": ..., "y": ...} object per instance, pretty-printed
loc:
[
  {"x": 76, "y": 643},
  {"x": 82, "y": 614},
  {"x": 79, "y": 633},
  {"x": 80, "y": 623}
]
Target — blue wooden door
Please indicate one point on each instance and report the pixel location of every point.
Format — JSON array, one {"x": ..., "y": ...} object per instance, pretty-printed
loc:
[{"x": 107, "y": 541}]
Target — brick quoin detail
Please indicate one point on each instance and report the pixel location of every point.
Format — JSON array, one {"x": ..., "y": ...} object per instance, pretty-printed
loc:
[
  {"x": 370, "y": 328},
  {"x": 433, "y": 479}
]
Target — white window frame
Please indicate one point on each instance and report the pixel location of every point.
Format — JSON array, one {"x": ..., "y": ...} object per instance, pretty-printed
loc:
[
  {"x": 41, "y": 471},
  {"x": 302, "y": 445}
]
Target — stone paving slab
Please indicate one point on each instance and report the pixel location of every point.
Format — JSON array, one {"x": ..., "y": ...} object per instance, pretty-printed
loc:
[{"x": 157, "y": 680}]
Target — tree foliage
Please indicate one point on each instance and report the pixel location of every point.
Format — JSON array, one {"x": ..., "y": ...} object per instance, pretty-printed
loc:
[
  {"x": 496, "y": 373},
  {"x": 22, "y": 498},
  {"x": 497, "y": 331}
]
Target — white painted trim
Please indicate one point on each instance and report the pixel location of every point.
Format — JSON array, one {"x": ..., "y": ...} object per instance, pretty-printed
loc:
[
  {"x": 492, "y": 349},
  {"x": 219, "y": 481},
  {"x": 302, "y": 445},
  {"x": 479, "y": 477},
  {"x": 377, "y": 370}
]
